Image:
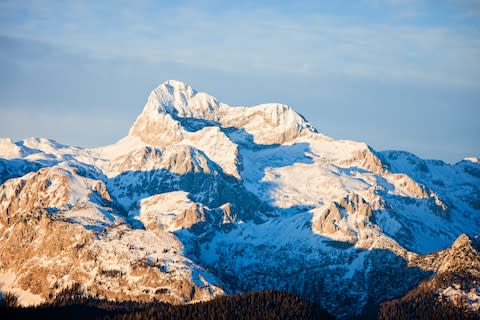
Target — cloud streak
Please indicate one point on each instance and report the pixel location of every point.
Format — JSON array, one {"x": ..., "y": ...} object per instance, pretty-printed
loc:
[
  {"x": 260, "y": 40},
  {"x": 350, "y": 69}
]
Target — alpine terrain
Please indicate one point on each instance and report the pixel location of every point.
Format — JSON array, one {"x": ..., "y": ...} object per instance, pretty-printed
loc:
[{"x": 202, "y": 199}]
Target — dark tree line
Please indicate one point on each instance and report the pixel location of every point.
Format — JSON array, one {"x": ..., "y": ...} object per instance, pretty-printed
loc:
[
  {"x": 259, "y": 305},
  {"x": 426, "y": 301},
  {"x": 71, "y": 304},
  {"x": 424, "y": 306}
]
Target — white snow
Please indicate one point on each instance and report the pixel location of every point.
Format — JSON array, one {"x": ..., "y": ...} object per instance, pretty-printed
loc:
[
  {"x": 457, "y": 295},
  {"x": 122, "y": 147},
  {"x": 472, "y": 159},
  {"x": 25, "y": 298},
  {"x": 8, "y": 149},
  {"x": 163, "y": 209},
  {"x": 278, "y": 157}
]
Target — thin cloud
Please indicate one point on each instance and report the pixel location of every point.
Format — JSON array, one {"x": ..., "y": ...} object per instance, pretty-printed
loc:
[
  {"x": 262, "y": 41},
  {"x": 80, "y": 56}
]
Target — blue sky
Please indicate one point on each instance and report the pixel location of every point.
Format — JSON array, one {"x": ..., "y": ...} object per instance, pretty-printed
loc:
[{"x": 395, "y": 74}]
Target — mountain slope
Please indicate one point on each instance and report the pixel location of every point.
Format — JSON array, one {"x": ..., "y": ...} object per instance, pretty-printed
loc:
[
  {"x": 453, "y": 293},
  {"x": 203, "y": 198}
]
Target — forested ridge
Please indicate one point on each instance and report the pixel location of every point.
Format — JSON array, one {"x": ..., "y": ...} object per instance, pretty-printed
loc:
[
  {"x": 72, "y": 304},
  {"x": 257, "y": 305}
]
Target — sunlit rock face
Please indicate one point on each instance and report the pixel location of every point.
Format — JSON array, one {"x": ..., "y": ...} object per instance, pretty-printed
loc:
[{"x": 202, "y": 198}]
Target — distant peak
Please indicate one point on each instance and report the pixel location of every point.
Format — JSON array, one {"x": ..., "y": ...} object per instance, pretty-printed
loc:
[
  {"x": 472, "y": 159},
  {"x": 174, "y": 108},
  {"x": 175, "y": 87},
  {"x": 6, "y": 141},
  {"x": 172, "y": 88},
  {"x": 179, "y": 85},
  {"x": 179, "y": 99}
]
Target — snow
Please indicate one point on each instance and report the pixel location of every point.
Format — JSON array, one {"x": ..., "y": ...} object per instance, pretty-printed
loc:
[
  {"x": 122, "y": 147},
  {"x": 453, "y": 205},
  {"x": 472, "y": 159},
  {"x": 8, "y": 149},
  {"x": 92, "y": 218},
  {"x": 163, "y": 209},
  {"x": 472, "y": 297},
  {"x": 25, "y": 297},
  {"x": 357, "y": 265},
  {"x": 217, "y": 146},
  {"x": 417, "y": 206}
]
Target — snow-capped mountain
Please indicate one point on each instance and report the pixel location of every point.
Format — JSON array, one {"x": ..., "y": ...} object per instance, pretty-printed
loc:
[{"x": 202, "y": 198}]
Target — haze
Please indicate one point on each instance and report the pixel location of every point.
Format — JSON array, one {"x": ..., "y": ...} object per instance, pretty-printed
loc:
[{"x": 395, "y": 74}]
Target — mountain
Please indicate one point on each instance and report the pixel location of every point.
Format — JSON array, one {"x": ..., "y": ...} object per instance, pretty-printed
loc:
[
  {"x": 453, "y": 293},
  {"x": 203, "y": 199}
]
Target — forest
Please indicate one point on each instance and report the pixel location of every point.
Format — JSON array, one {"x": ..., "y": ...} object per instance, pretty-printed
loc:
[{"x": 70, "y": 304}]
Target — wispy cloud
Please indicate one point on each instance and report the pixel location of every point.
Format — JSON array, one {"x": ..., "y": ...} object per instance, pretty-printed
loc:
[
  {"x": 79, "y": 56},
  {"x": 261, "y": 40}
]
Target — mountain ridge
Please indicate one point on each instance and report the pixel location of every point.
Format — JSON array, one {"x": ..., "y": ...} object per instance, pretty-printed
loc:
[{"x": 202, "y": 199}]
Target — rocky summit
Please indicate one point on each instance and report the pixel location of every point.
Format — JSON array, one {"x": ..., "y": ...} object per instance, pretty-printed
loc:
[{"x": 203, "y": 199}]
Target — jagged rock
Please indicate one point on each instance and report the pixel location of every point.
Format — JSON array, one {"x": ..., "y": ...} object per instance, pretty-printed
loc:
[
  {"x": 254, "y": 195},
  {"x": 454, "y": 285}
]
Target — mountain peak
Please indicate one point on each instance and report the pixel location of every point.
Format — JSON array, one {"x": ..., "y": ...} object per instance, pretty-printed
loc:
[
  {"x": 173, "y": 88},
  {"x": 472, "y": 159},
  {"x": 253, "y": 195},
  {"x": 174, "y": 109},
  {"x": 180, "y": 100},
  {"x": 462, "y": 241},
  {"x": 177, "y": 85}
]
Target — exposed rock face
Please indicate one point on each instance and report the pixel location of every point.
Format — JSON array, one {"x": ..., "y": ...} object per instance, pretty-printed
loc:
[
  {"x": 254, "y": 195},
  {"x": 121, "y": 264},
  {"x": 176, "y": 159},
  {"x": 50, "y": 190},
  {"x": 171, "y": 211},
  {"x": 349, "y": 217},
  {"x": 456, "y": 284},
  {"x": 57, "y": 230},
  {"x": 367, "y": 159},
  {"x": 174, "y": 110},
  {"x": 461, "y": 256}
]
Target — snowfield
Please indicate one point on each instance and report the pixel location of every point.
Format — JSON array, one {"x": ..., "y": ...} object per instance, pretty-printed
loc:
[{"x": 202, "y": 198}]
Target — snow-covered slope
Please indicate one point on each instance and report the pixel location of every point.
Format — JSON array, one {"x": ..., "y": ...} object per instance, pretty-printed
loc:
[{"x": 203, "y": 198}]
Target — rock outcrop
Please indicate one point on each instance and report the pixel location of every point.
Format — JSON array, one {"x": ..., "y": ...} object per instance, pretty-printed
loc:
[{"x": 202, "y": 198}]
